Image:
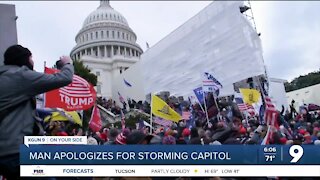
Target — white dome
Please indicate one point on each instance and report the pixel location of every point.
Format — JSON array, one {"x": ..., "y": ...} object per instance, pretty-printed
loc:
[
  {"x": 106, "y": 45},
  {"x": 104, "y": 13},
  {"x": 105, "y": 34}
]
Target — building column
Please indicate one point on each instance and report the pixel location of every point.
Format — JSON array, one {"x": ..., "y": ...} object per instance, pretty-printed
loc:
[
  {"x": 130, "y": 52},
  {"x": 125, "y": 51},
  {"x": 98, "y": 50},
  {"x": 118, "y": 53},
  {"x": 112, "y": 51},
  {"x": 91, "y": 51},
  {"x": 86, "y": 52},
  {"x": 105, "y": 51},
  {"x": 135, "y": 53}
]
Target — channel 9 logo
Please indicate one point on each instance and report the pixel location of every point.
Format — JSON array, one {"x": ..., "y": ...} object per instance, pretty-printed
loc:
[{"x": 296, "y": 152}]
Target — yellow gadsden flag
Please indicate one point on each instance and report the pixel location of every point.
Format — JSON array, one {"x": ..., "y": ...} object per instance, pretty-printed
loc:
[
  {"x": 250, "y": 96},
  {"x": 163, "y": 110}
]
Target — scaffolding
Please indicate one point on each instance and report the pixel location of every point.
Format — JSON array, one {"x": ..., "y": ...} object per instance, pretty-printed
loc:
[{"x": 246, "y": 10}]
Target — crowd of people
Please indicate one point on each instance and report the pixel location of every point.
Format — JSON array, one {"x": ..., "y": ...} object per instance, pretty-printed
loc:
[{"x": 226, "y": 125}]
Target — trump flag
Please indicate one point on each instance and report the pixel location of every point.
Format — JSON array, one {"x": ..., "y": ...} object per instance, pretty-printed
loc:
[
  {"x": 210, "y": 83},
  {"x": 79, "y": 95}
]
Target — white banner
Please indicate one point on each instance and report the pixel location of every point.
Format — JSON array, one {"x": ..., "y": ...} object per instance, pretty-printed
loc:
[{"x": 169, "y": 170}]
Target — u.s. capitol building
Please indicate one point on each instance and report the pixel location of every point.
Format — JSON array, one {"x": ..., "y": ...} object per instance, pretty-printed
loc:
[{"x": 107, "y": 45}]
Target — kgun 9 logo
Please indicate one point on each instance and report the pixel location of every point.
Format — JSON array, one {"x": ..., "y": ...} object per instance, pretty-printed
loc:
[{"x": 296, "y": 152}]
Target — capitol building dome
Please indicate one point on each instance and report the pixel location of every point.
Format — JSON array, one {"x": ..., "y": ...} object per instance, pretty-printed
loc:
[
  {"x": 107, "y": 45},
  {"x": 105, "y": 13}
]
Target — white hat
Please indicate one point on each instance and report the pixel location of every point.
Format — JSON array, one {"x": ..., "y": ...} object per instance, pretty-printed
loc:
[
  {"x": 289, "y": 142},
  {"x": 317, "y": 142},
  {"x": 215, "y": 143},
  {"x": 92, "y": 141}
]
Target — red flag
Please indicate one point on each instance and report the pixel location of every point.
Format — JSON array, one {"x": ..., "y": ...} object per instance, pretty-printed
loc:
[
  {"x": 79, "y": 95},
  {"x": 95, "y": 123}
]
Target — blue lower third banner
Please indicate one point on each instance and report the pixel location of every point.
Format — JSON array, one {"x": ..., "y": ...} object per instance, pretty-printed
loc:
[{"x": 168, "y": 155}]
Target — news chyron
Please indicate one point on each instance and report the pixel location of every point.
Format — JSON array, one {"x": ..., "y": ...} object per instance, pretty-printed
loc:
[{"x": 71, "y": 156}]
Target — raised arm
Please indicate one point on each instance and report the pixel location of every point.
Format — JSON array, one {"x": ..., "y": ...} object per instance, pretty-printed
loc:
[{"x": 38, "y": 83}]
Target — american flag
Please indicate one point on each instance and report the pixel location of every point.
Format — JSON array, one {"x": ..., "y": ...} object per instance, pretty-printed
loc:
[
  {"x": 186, "y": 115},
  {"x": 162, "y": 122},
  {"x": 271, "y": 119},
  {"x": 121, "y": 99},
  {"x": 271, "y": 114},
  {"x": 243, "y": 106},
  {"x": 123, "y": 122}
]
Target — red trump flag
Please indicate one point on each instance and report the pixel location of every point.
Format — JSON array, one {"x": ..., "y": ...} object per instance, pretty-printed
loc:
[
  {"x": 95, "y": 123},
  {"x": 79, "y": 95}
]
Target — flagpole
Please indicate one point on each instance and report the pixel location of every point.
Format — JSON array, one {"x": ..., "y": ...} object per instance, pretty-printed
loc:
[
  {"x": 261, "y": 91},
  {"x": 201, "y": 107},
  {"x": 151, "y": 114},
  {"x": 262, "y": 97},
  {"x": 205, "y": 106},
  {"x": 44, "y": 94},
  {"x": 200, "y": 104},
  {"x": 215, "y": 101}
]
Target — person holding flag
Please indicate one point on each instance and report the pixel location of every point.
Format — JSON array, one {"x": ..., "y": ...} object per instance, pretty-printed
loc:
[
  {"x": 121, "y": 99},
  {"x": 210, "y": 84},
  {"x": 95, "y": 123},
  {"x": 19, "y": 85}
]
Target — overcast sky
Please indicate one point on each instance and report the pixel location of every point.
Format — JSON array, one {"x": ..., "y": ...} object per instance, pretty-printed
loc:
[{"x": 290, "y": 31}]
